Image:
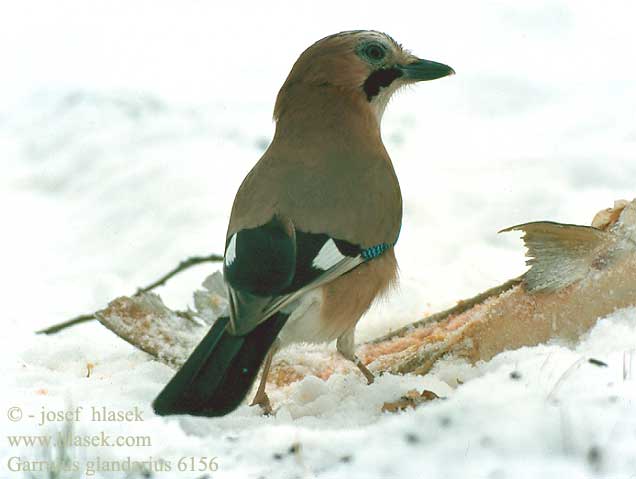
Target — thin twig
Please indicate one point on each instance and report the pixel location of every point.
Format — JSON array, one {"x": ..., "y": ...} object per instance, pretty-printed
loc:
[
  {"x": 185, "y": 264},
  {"x": 66, "y": 324}
]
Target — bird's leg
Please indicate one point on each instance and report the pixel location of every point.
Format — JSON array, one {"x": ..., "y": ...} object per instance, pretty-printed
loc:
[
  {"x": 364, "y": 370},
  {"x": 260, "y": 398},
  {"x": 346, "y": 346}
]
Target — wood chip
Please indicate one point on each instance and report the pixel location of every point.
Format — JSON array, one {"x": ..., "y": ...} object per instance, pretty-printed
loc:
[{"x": 411, "y": 399}]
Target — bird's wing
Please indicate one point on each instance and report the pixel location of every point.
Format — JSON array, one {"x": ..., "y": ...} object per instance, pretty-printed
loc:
[{"x": 268, "y": 267}]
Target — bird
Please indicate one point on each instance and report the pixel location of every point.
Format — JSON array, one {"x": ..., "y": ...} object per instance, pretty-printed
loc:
[{"x": 311, "y": 235}]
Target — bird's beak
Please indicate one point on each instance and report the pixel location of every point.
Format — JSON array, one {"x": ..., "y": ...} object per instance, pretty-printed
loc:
[{"x": 421, "y": 70}]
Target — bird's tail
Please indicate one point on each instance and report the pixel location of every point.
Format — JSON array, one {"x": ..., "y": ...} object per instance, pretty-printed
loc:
[{"x": 220, "y": 371}]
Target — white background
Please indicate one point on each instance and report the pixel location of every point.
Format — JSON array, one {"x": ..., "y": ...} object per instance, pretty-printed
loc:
[{"x": 126, "y": 128}]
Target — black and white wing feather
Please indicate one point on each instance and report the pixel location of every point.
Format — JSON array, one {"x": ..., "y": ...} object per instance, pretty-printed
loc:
[{"x": 268, "y": 267}]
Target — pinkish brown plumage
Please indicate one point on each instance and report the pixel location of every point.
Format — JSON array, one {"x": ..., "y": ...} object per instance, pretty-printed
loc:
[{"x": 310, "y": 237}]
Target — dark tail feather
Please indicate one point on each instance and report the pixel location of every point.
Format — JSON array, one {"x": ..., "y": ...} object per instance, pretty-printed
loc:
[{"x": 220, "y": 371}]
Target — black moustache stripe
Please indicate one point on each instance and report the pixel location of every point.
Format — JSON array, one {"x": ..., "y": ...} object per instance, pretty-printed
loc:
[{"x": 380, "y": 79}]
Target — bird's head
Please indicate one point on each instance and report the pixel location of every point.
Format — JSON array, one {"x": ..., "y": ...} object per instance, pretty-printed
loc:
[{"x": 364, "y": 63}]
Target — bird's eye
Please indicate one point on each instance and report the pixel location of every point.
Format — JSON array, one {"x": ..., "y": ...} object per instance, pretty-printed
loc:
[{"x": 374, "y": 52}]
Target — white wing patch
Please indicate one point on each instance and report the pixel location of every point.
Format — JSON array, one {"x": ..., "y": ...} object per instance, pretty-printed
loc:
[
  {"x": 230, "y": 252},
  {"x": 328, "y": 256}
]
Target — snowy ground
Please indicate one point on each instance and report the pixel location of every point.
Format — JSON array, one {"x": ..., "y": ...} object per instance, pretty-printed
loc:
[{"x": 125, "y": 129}]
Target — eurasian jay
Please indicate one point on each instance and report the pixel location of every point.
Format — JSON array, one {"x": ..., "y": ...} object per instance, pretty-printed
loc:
[{"x": 310, "y": 241}]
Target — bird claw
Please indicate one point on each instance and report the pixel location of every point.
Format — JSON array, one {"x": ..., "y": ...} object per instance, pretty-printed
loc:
[
  {"x": 265, "y": 404},
  {"x": 365, "y": 371}
]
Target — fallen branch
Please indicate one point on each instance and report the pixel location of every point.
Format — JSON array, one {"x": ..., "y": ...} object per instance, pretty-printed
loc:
[
  {"x": 579, "y": 274},
  {"x": 462, "y": 306},
  {"x": 183, "y": 265}
]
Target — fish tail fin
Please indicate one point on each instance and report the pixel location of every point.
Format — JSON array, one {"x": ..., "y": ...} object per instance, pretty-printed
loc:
[{"x": 560, "y": 254}]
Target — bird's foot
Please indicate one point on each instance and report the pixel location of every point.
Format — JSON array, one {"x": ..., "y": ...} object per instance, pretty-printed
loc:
[
  {"x": 364, "y": 370},
  {"x": 262, "y": 400}
]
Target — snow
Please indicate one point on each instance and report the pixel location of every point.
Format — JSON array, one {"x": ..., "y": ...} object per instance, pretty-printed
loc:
[{"x": 125, "y": 130}]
